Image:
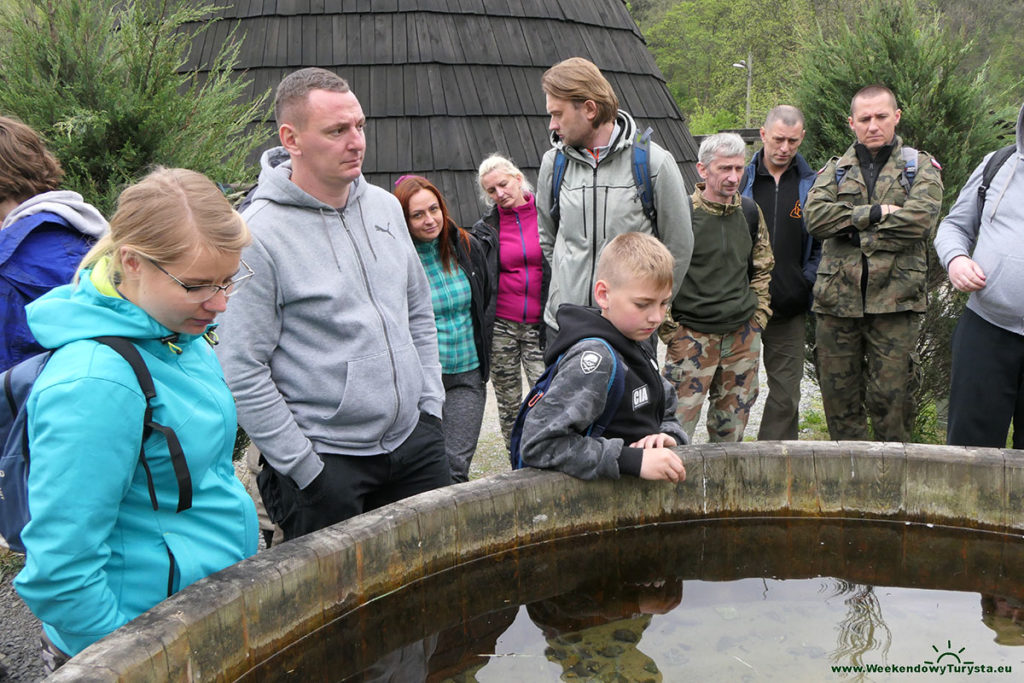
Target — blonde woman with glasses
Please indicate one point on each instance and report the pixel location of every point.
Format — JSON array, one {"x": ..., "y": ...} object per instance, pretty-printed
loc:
[{"x": 121, "y": 516}]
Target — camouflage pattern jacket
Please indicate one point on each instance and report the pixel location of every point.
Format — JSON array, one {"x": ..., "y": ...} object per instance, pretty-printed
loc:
[{"x": 893, "y": 251}]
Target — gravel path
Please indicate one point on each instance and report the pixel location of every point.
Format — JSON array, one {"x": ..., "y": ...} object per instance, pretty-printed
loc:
[{"x": 19, "y": 633}]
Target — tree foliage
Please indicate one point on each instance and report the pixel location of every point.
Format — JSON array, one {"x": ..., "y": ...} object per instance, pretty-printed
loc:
[
  {"x": 105, "y": 84},
  {"x": 696, "y": 43},
  {"x": 944, "y": 110}
]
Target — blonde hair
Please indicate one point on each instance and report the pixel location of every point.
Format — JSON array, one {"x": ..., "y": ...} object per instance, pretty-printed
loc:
[
  {"x": 164, "y": 215},
  {"x": 635, "y": 256},
  {"x": 578, "y": 80},
  {"x": 497, "y": 162}
]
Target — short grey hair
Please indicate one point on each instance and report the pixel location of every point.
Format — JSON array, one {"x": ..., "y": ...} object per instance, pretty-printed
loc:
[
  {"x": 788, "y": 114},
  {"x": 721, "y": 145},
  {"x": 497, "y": 162}
]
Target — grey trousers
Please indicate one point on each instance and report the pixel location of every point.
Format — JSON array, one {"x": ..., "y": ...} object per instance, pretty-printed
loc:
[
  {"x": 783, "y": 343},
  {"x": 465, "y": 397}
]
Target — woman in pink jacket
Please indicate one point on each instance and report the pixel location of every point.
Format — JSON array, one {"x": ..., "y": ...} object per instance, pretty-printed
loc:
[{"x": 522, "y": 283}]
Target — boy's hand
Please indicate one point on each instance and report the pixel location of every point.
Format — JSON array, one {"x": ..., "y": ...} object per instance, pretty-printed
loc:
[
  {"x": 661, "y": 463},
  {"x": 661, "y": 440}
]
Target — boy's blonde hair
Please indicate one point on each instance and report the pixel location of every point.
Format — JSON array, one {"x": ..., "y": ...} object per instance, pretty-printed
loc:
[{"x": 635, "y": 256}]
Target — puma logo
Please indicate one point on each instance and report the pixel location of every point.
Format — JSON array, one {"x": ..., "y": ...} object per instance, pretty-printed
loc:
[{"x": 387, "y": 230}]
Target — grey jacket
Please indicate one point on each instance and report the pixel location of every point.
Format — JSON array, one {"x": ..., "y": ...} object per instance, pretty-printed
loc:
[
  {"x": 598, "y": 202},
  {"x": 994, "y": 240},
  {"x": 332, "y": 347}
]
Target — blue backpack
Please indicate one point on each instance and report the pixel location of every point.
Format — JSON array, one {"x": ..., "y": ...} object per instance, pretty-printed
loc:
[
  {"x": 907, "y": 175},
  {"x": 14, "y": 459},
  {"x": 616, "y": 387},
  {"x": 641, "y": 165}
]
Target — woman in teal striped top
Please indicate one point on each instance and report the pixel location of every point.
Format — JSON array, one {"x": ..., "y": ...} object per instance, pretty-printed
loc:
[{"x": 456, "y": 266}]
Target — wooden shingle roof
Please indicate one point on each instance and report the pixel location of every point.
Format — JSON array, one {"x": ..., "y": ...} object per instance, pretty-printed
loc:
[{"x": 444, "y": 83}]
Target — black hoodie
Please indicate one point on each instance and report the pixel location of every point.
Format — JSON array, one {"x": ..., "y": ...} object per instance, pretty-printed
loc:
[{"x": 554, "y": 434}]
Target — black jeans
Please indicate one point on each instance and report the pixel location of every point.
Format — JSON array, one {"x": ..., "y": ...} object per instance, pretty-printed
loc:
[
  {"x": 353, "y": 484},
  {"x": 986, "y": 388}
]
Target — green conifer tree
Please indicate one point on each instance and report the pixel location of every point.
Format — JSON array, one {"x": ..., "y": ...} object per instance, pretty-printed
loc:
[{"x": 106, "y": 84}]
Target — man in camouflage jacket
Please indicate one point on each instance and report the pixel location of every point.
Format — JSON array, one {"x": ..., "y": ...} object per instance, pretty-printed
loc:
[{"x": 875, "y": 219}]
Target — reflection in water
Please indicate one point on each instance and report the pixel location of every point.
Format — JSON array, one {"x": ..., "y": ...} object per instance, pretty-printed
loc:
[
  {"x": 609, "y": 606},
  {"x": 863, "y": 630},
  {"x": 593, "y": 632},
  {"x": 1005, "y": 616}
]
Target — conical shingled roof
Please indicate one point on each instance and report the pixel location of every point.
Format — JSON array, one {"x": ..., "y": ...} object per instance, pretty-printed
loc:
[{"x": 444, "y": 83}]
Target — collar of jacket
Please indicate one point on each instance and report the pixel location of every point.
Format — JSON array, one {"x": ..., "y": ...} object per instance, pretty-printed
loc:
[
  {"x": 713, "y": 208},
  {"x": 627, "y": 133}
]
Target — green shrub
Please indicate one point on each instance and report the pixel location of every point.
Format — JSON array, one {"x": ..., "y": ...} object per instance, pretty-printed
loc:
[
  {"x": 10, "y": 564},
  {"x": 105, "y": 84}
]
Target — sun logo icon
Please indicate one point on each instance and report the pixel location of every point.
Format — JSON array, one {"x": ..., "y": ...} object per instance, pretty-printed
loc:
[{"x": 949, "y": 653}]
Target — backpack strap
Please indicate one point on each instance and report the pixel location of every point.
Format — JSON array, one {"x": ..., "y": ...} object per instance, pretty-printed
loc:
[
  {"x": 615, "y": 389},
  {"x": 750, "y": 213},
  {"x": 753, "y": 224},
  {"x": 641, "y": 167},
  {"x": 642, "y": 178},
  {"x": 127, "y": 350},
  {"x": 909, "y": 172},
  {"x": 840, "y": 171},
  {"x": 9, "y": 393},
  {"x": 992, "y": 167},
  {"x": 557, "y": 176}
]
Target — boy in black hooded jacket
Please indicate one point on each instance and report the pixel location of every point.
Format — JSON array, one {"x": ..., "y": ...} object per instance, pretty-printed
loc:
[{"x": 633, "y": 290}]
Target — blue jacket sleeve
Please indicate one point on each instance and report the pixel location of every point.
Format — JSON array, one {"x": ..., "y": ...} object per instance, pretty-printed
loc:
[{"x": 34, "y": 259}]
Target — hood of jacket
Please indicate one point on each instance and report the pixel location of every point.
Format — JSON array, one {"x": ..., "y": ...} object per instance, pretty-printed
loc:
[
  {"x": 80, "y": 311},
  {"x": 627, "y": 133},
  {"x": 1020, "y": 131},
  {"x": 275, "y": 183},
  {"x": 68, "y": 205},
  {"x": 579, "y": 322}
]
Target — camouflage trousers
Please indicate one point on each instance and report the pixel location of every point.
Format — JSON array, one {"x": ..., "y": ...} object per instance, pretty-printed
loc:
[
  {"x": 53, "y": 657},
  {"x": 515, "y": 348},
  {"x": 272, "y": 533},
  {"x": 869, "y": 367},
  {"x": 721, "y": 367}
]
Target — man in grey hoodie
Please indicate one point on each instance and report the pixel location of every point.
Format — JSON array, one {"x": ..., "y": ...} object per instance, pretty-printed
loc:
[
  {"x": 980, "y": 244},
  {"x": 332, "y": 355}
]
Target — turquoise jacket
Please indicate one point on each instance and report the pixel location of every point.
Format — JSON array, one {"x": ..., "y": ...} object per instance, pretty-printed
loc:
[{"x": 98, "y": 554}]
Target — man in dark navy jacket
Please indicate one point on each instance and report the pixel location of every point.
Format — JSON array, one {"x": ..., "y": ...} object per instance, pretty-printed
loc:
[{"x": 778, "y": 179}]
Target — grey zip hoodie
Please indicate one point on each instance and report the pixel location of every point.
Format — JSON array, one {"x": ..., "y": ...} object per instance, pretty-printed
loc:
[
  {"x": 332, "y": 347},
  {"x": 996, "y": 238}
]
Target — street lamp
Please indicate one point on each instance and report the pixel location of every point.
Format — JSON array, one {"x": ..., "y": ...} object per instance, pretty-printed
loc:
[{"x": 747, "y": 64}]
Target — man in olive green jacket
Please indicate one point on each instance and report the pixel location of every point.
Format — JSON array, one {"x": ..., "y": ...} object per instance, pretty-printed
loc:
[
  {"x": 723, "y": 302},
  {"x": 875, "y": 210}
]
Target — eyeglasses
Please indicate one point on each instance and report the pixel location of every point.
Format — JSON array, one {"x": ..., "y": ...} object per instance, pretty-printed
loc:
[{"x": 199, "y": 293}]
